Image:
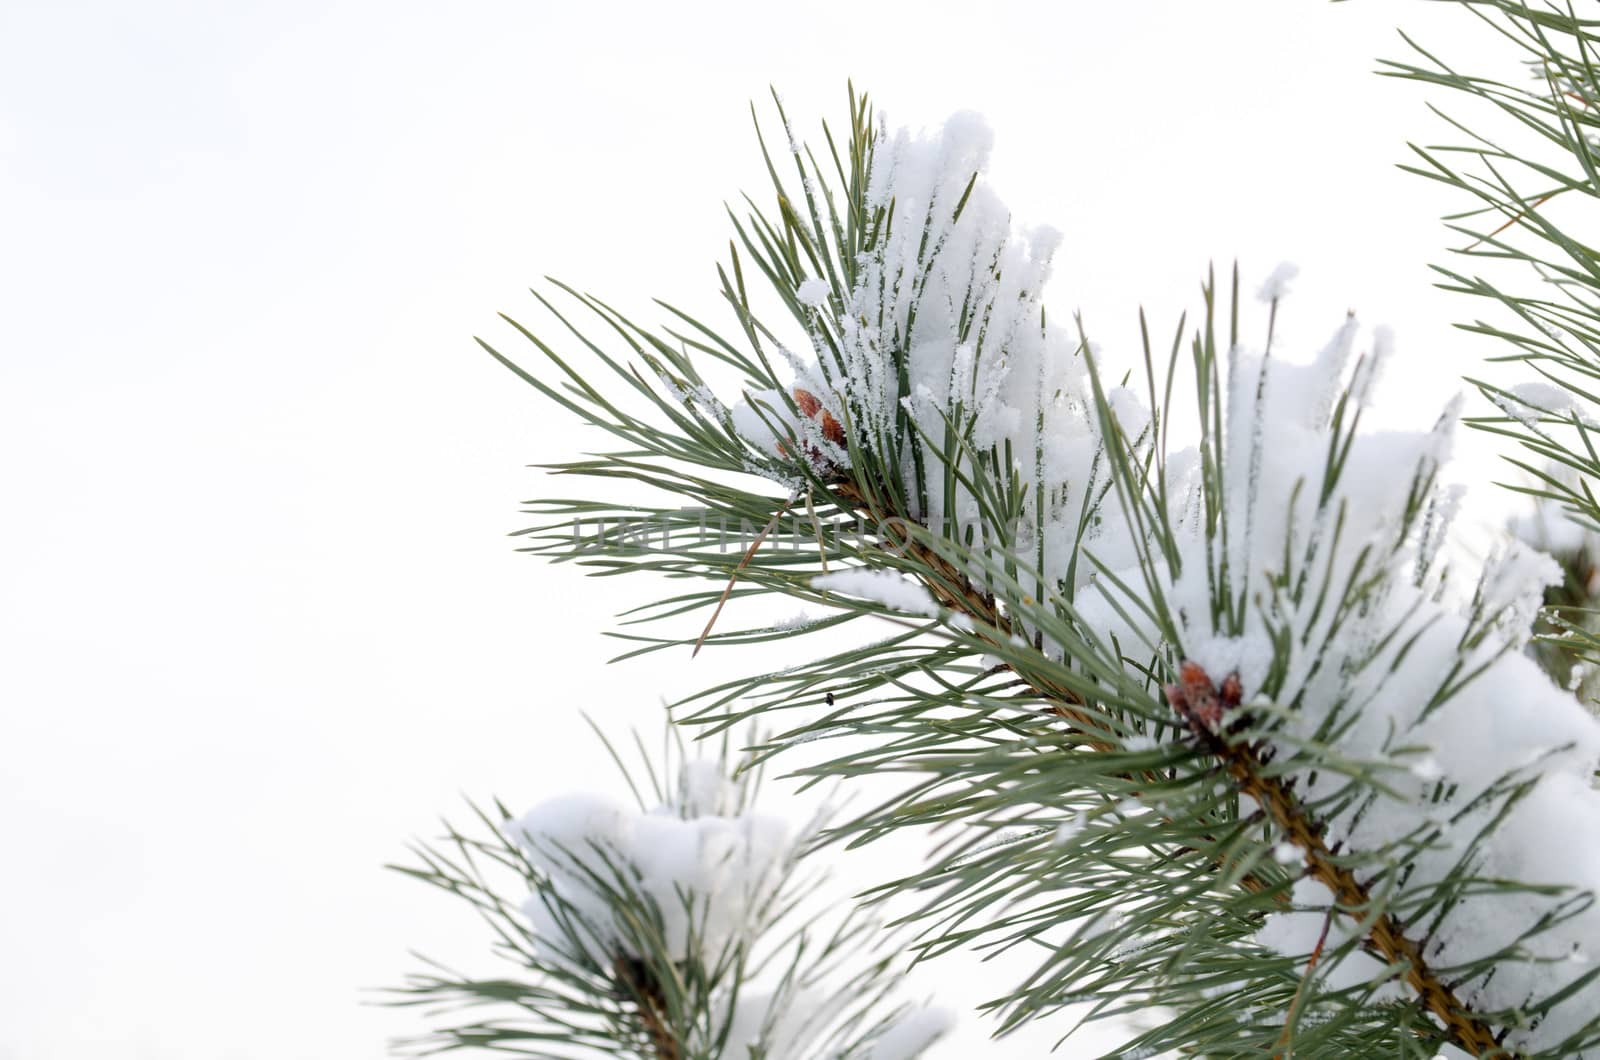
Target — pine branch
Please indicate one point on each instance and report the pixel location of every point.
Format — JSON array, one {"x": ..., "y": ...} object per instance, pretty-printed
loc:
[
  {"x": 680, "y": 932},
  {"x": 1040, "y": 542},
  {"x": 953, "y": 589}
]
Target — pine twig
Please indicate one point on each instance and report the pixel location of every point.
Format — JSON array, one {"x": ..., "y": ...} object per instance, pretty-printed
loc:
[
  {"x": 1465, "y": 1029},
  {"x": 743, "y": 563},
  {"x": 1064, "y": 702},
  {"x": 1540, "y": 201},
  {"x": 1285, "y": 1042}
]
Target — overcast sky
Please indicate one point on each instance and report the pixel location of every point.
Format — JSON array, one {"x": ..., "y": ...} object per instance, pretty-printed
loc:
[{"x": 260, "y": 619}]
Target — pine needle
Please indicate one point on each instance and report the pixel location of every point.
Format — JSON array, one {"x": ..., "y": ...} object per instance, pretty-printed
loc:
[
  {"x": 1286, "y": 1052},
  {"x": 743, "y": 563}
]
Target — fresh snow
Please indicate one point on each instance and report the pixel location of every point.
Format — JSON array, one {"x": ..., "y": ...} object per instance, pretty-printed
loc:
[
  {"x": 888, "y": 588},
  {"x": 1277, "y": 283},
  {"x": 1528, "y": 403},
  {"x": 713, "y": 875},
  {"x": 813, "y": 292},
  {"x": 798, "y": 620},
  {"x": 716, "y": 875},
  {"x": 1067, "y": 831},
  {"x": 1551, "y": 529}
]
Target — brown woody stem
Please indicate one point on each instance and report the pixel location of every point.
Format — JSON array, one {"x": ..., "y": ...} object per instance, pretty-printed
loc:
[{"x": 1465, "y": 1029}]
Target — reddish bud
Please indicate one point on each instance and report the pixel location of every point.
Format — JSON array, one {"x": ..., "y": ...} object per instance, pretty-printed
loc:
[
  {"x": 1198, "y": 700},
  {"x": 1231, "y": 692},
  {"x": 831, "y": 429},
  {"x": 811, "y": 408}
]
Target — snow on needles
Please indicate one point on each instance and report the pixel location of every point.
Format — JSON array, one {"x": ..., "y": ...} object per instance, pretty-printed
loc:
[
  {"x": 713, "y": 877},
  {"x": 1309, "y": 565},
  {"x": 888, "y": 588},
  {"x": 1551, "y": 528},
  {"x": 944, "y": 363},
  {"x": 1325, "y": 596},
  {"x": 697, "y": 880},
  {"x": 1276, "y": 287}
]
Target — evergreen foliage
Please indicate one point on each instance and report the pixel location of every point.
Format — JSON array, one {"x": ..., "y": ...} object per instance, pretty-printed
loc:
[
  {"x": 1180, "y": 654},
  {"x": 687, "y": 929},
  {"x": 1523, "y": 171}
]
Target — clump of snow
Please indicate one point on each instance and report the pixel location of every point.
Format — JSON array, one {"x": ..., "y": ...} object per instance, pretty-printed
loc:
[
  {"x": 757, "y": 416},
  {"x": 1131, "y": 414},
  {"x": 1548, "y": 526},
  {"x": 1426, "y": 768},
  {"x": 767, "y": 418},
  {"x": 944, "y": 337},
  {"x": 704, "y": 789},
  {"x": 1528, "y": 403},
  {"x": 1067, "y": 831},
  {"x": 1552, "y": 529},
  {"x": 711, "y": 874},
  {"x": 697, "y": 880},
  {"x": 1139, "y": 741},
  {"x": 798, "y": 620},
  {"x": 1132, "y": 807},
  {"x": 1295, "y": 934},
  {"x": 1276, "y": 286},
  {"x": 813, "y": 292},
  {"x": 1545, "y": 396},
  {"x": 1503, "y": 590},
  {"x": 888, "y": 588}
]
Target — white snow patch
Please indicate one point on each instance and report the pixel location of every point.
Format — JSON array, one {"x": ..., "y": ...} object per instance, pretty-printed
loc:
[
  {"x": 814, "y": 292},
  {"x": 888, "y": 588},
  {"x": 1426, "y": 768},
  {"x": 1277, "y": 282},
  {"x": 711, "y": 875},
  {"x": 1067, "y": 831},
  {"x": 1138, "y": 741}
]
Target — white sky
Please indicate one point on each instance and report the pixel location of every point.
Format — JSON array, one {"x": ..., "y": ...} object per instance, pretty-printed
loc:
[{"x": 260, "y": 620}]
